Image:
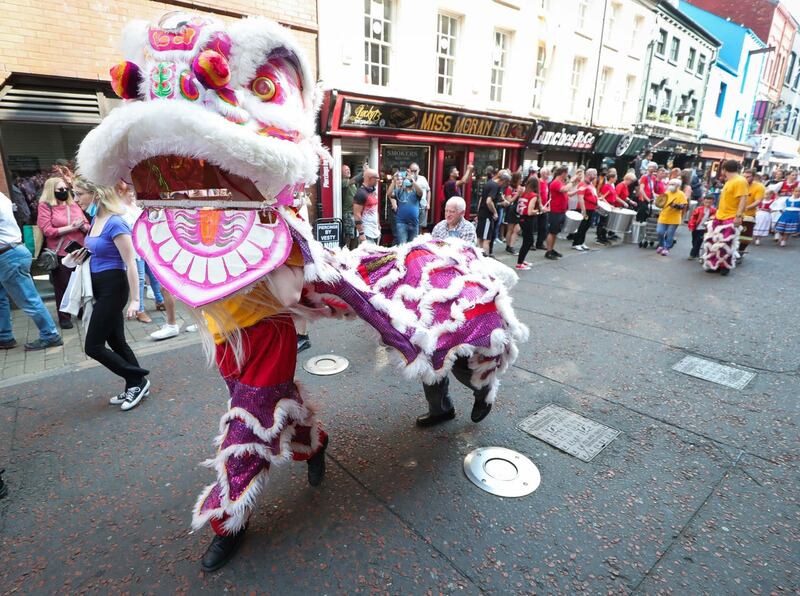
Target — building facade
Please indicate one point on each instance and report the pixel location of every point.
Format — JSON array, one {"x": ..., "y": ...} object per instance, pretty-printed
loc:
[
  {"x": 732, "y": 88},
  {"x": 680, "y": 58},
  {"x": 54, "y": 70}
]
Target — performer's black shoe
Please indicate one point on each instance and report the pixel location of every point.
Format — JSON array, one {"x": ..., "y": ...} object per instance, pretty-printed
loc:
[
  {"x": 429, "y": 419},
  {"x": 303, "y": 343},
  {"x": 316, "y": 466},
  {"x": 3, "y": 487},
  {"x": 724, "y": 272},
  {"x": 480, "y": 410},
  {"x": 220, "y": 551}
]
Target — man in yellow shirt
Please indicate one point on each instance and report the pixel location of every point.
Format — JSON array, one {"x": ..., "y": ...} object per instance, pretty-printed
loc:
[
  {"x": 722, "y": 237},
  {"x": 757, "y": 192}
]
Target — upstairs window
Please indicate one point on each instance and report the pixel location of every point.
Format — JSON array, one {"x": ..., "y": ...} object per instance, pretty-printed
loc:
[
  {"x": 446, "y": 53},
  {"x": 578, "y": 68},
  {"x": 690, "y": 61},
  {"x": 661, "y": 43},
  {"x": 539, "y": 76},
  {"x": 378, "y": 15},
  {"x": 499, "y": 60},
  {"x": 723, "y": 89},
  {"x": 701, "y": 65},
  {"x": 675, "y": 49}
]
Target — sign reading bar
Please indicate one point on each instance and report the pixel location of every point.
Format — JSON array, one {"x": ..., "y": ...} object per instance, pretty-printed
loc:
[
  {"x": 555, "y": 135},
  {"x": 383, "y": 116}
]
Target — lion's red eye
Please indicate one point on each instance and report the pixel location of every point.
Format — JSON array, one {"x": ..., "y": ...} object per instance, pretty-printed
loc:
[{"x": 264, "y": 88}]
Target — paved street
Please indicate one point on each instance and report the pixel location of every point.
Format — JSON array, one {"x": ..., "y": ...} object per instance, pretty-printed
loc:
[{"x": 699, "y": 494}]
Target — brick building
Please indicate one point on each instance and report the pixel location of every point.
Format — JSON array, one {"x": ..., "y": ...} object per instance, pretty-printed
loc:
[{"x": 54, "y": 63}]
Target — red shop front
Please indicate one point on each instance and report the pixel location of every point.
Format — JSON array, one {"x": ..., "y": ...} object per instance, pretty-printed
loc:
[{"x": 392, "y": 133}]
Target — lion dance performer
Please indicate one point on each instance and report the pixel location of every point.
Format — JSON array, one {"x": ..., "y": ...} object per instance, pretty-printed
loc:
[
  {"x": 217, "y": 136},
  {"x": 722, "y": 237}
]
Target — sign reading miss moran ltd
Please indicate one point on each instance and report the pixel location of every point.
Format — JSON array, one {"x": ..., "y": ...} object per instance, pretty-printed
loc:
[
  {"x": 563, "y": 136},
  {"x": 361, "y": 114}
]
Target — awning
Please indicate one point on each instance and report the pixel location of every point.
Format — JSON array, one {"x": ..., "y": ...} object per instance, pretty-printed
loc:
[
  {"x": 785, "y": 161},
  {"x": 620, "y": 144},
  {"x": 721, "y": 154}
]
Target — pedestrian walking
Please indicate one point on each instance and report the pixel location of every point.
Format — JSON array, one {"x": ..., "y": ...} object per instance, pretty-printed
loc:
[
  {"x": 62, "y": 222},
  {"x": 112, "y": 262},
  {"x": 512, "y": 194},
  {"x": 16, "y": 282},
  {"x": 528, "y": 208},
  {"x": 670, "y": 217}
]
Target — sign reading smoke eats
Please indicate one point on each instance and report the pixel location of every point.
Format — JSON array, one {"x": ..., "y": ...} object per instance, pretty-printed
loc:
[
  {"x": 567, "y": 137},
  {"x": 373, "y": 115}
]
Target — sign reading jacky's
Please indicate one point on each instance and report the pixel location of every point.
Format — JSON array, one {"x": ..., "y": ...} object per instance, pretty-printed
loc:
[
  {"x": 362, "y": 114},
  {"x": 563, "y": 136}
]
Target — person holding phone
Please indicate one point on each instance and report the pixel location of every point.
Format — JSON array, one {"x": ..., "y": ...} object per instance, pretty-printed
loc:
[
  {"x": 114, "y": 279},
  {"x": 62, "y": 222}
]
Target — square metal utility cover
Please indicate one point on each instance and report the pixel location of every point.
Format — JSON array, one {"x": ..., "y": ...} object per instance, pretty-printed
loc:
[
  {"x": 714, "y": 372},
  {"x": 570, "y": 432}
]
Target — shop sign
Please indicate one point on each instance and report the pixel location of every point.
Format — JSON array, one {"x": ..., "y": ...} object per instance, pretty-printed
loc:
[
  {"x": 386, "y": 116},
  {"x": 567, "y": 137},
  {"x": 328, "y": 232}
]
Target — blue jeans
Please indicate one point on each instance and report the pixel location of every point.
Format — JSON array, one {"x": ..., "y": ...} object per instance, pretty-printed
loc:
[
  {"x": 666, "y": 234},
  {"x": 406, "y": 230},
  {"x": 16, "y": 281},
  {"x": 143, "y": 268}
]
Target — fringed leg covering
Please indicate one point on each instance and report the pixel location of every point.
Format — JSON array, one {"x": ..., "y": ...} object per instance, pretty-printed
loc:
[
  {"x": 267, "y": 422},
  {"x": 721, "y": 245}
]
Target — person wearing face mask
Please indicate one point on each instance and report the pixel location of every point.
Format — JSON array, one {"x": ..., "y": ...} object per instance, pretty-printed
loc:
[
  {"x": 61, "y": 221},
  {"x": 405, "y": 196}
]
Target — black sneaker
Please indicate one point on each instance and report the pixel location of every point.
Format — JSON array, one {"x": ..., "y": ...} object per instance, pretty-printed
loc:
[
  {"x": 8, "y": 344},
  {"x": 65, "y": 324},
  {"x": 3, "y": 487},
  {"x": 220, "y": 551},
  {"x": 558, "y": 254},
  {"x": 303, "y": 343},
  {"x": 510, "y": 250},
  {"x": 551, "y": 255},
  {"x": 43, "y": 344},
  {"x": 135, "y": 394}
]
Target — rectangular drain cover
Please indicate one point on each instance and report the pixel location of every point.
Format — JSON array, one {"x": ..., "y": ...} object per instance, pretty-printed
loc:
[
  {"x": 570, "y": 432},
  {"x": 714, "y": 372}
]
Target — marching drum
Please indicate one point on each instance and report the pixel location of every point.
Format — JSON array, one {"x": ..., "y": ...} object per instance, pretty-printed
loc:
[
  {"x": 573, "y": 221},
  {"x": 620, "y": 220},
  {"x": 603, "y": 208}
]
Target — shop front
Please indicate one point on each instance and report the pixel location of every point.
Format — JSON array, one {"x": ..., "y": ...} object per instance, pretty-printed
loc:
[
  {"x": 672, "y": 147},
  {"x": 554, "y": 144},
  {"x": 715, "y": 151},
  {"x": 42, "y": 122},
  {"x": 390, "y": 134}
]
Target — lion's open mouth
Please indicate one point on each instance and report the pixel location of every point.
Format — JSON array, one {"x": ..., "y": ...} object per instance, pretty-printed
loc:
[{"x": 165, "y": 178}]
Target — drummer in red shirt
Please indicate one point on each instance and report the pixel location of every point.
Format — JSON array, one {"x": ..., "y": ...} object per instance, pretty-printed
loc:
[
  {"x": 649, "y": 188},
  {"x": 608, "y": 193},
  {"x": 624, "y": 188},
  {"x": 558, "y": 206},
  {"x": 587, "y": 201}
]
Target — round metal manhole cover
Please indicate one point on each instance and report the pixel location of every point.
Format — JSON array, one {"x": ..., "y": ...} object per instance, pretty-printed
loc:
[
  {"x": 327, "y": 364},
  {"x": 502, "y": 472}
]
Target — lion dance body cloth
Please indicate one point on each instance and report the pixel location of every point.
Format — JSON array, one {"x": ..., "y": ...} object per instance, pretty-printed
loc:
[{"x": 217, "y": 135}]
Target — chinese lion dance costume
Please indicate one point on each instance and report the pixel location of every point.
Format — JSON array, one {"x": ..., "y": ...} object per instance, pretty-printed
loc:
[{"x": 217, "y": 135}]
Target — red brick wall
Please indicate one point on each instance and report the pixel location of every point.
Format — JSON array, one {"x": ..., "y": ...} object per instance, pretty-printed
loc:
[{"x": 755, "y": 14}]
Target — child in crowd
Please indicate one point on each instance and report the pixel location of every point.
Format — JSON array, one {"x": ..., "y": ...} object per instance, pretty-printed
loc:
[
  {"x": 698, "y": 222},
  {"x": 764, "y": 224}
]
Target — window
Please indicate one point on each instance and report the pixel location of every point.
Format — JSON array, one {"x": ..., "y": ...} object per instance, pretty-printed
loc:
[
  {"x": 661, "y": 43},
  {"x": 691, "y": 60},
  {"x": 723, "y": 89},
  {"x": 795, "y": 114},
  {"x": 602, "y": 88},
  {"x": 539, "y": 77},
  {"x": 638, "y": 24},
  {"x": 701, "y": 64},
  {"x": 499, "y": 58},
  {"x": 377, "y": 41},
  {"x": 583, "y": 10},
  {"x": 666, "y": 103},
  {"x": 630, "y": 83},
  {"x": 652, "y": 101},
  {"x": 790, "y": 69},
  {"x": 613, "y": 19},
  {"x": 796, "y": 78},
  {"x": 578, "y": 66},
  {"x": 693, "y": 112},
  {"x": 675, "y": 49},
  {"x": 446, "y": 53}
]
